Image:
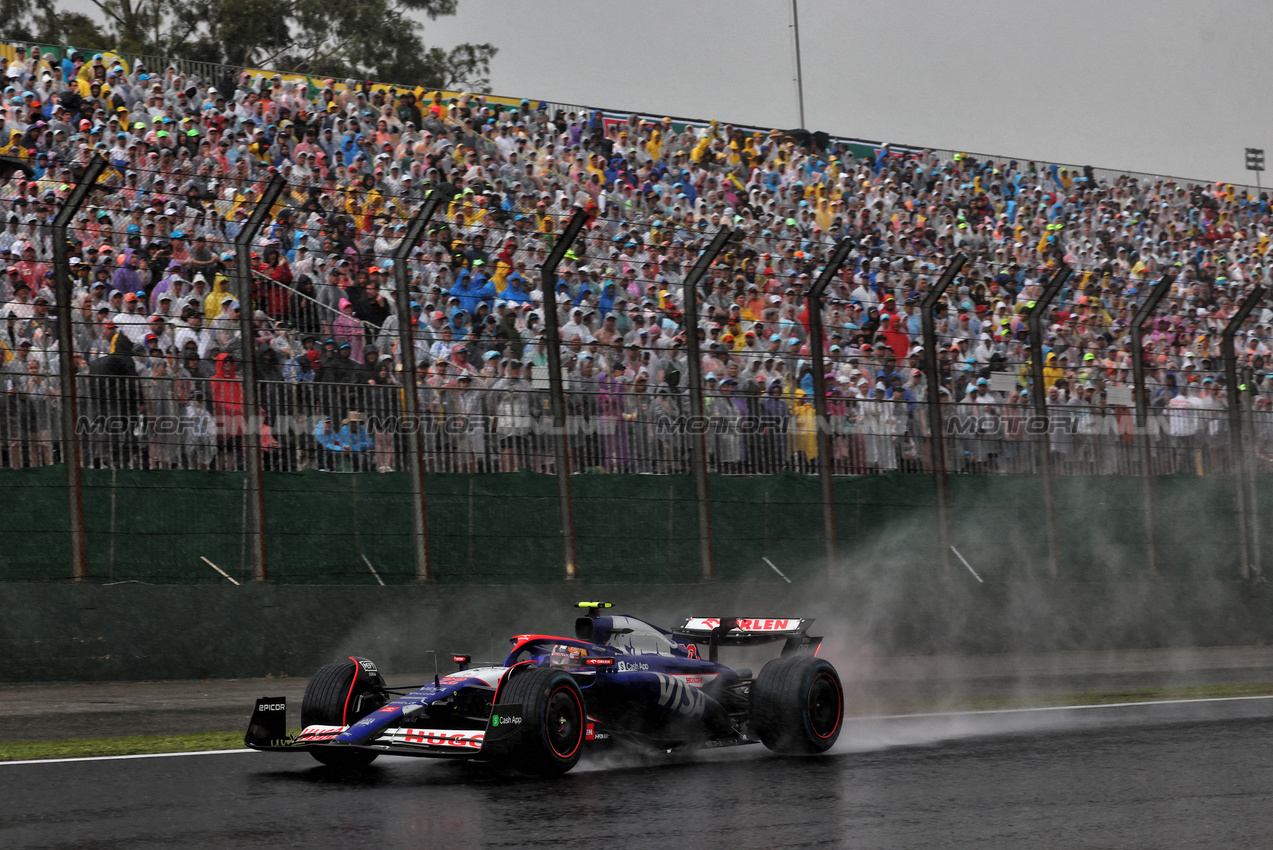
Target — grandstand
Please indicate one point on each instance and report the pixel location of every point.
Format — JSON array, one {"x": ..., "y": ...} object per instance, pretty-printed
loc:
[{"x": 159, "y": 308}]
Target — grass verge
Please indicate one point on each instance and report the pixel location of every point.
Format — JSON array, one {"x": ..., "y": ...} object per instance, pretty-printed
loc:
[
  {"x": 144, "y": 744},
  {"x": 131, "y": 745}
]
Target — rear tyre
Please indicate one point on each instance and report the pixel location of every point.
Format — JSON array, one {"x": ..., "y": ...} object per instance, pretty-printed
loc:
[
  {"x": 337, "y": 696},
  {"x": 797, "y": 705},
  {"x": 551, "y": 739}
]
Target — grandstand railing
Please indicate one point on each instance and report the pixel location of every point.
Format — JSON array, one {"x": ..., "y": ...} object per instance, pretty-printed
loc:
[{"x": 354, "y": 422}]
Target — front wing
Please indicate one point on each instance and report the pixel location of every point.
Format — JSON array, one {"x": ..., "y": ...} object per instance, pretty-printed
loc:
[{"x": 267, "y": 731}]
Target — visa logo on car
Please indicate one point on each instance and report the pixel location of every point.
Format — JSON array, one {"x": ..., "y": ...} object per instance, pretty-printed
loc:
[{"x": 680, "y": 697}]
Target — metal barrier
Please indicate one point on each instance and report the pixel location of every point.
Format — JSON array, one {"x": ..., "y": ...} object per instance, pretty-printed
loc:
[
  {"x": 174, "y": 419},
  {"x": 159, "y": 405}
]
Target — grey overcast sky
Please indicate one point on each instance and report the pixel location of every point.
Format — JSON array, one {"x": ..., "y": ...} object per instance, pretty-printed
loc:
[{"x": 1175, "y": 87}]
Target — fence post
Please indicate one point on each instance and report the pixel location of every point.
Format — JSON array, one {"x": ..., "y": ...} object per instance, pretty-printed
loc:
[
  {"x": 252, "y": 420},
  {"x": 1245, "y": 567},
  {"x": 1142, "y": 417},
  {"x": 933, "y": 403},
  {"x": 814, "y": 300},
  {"x": 1253, "y": 496},
  {"x": 556, "y": 391},
  {"x": 698, "y": 435},
  {"x": 410, "y": 392},
  {"x": 71, "y": 455},
  {"x": 1039, "y": 398}
]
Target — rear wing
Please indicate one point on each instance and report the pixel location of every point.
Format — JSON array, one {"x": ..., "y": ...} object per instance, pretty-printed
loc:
[{"x": 744, "y": 631}]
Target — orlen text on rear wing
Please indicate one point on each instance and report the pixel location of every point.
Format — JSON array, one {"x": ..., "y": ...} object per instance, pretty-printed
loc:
[{"x": 745, "y": 631}]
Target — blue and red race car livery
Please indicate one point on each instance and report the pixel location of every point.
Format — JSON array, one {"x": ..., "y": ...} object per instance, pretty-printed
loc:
[{"x": 618, "y": 681}]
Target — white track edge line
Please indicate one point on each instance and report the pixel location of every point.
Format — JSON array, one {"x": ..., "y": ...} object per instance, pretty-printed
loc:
[
  {"x": 1040, "y": 708},
  {"x": 117, "y": 758}
]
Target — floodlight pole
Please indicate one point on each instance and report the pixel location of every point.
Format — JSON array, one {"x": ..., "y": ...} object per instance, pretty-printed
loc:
[
  {"x": 1255, "y": 162},
  {"x": 933, "y": 403},
  {"x": 814, "y": 299},
  {"x": 795, "y": 26}
]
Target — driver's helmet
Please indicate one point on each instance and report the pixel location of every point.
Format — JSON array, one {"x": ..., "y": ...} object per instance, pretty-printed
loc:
[{"x": 563, "y": 655}]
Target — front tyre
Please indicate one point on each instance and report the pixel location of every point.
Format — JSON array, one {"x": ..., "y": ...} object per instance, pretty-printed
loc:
[
  {"x": 338, "y": 696},
  {"x": 551, "y": 740},
  {"x": 797, "y": 705}
]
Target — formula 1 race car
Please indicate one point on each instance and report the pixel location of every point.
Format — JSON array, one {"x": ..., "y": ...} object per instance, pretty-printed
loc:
[{"x": 618, "y": 681}]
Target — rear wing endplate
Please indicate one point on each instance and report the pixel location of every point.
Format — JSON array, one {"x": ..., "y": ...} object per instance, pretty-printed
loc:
[{"x": 749, "y": 631}]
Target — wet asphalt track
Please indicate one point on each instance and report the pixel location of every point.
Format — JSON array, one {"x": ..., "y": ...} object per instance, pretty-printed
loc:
[{"x": 1182, "y": 775}]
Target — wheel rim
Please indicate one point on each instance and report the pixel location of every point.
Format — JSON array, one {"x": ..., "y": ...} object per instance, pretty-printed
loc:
[
  {"x": 564, "y": 722},
  {"x": 824, "y": 705}
]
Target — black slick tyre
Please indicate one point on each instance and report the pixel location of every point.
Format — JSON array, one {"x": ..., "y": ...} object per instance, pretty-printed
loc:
[
  {"x": 551, "y": 739},
  {"x": 797, "y": 705},
  {"x": 337, "y": 696}
]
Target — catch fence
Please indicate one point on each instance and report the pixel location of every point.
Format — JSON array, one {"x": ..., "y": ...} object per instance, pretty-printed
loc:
[
  {"x": 190, "y": 422},
  {"x": 396, "y": 417},
  {"x": 345, "y": 459}
]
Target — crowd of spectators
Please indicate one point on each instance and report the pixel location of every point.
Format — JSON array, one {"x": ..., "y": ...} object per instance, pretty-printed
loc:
[{"x": 156, "y": 304}]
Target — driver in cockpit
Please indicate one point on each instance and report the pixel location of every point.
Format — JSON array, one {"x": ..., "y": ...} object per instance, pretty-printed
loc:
[{"x": 563, "y": 655}]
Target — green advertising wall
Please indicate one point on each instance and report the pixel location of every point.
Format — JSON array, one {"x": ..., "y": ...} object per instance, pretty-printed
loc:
[{"x": 157, "y": 526}]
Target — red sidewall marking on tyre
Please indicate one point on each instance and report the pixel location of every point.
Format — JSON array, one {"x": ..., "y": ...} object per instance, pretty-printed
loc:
[
  {"x": 504, "y": 677},
  {"x": 580, "y": 725},
  {"x": 839, "y": 708},
  {"x": 344, "y": 712}
]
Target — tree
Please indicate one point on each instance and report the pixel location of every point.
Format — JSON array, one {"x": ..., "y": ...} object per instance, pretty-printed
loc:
[
  {"x": 41, "y": 21},
  {"x": 362, "y": 39}
]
